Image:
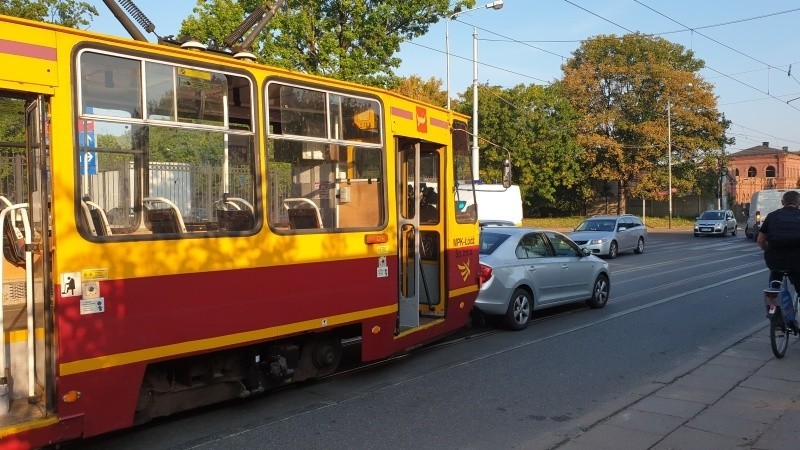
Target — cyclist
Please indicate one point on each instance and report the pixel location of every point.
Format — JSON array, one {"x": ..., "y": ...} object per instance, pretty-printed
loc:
[{"x": 779, "y": 237}]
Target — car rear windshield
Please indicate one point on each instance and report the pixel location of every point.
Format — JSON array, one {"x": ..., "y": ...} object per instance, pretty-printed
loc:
[{"x": 490, "y": 241}]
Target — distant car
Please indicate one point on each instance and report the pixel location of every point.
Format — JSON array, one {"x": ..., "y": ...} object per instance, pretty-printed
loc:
[
  {"x": 611, "y": 235},
  {"x": 715, "y": 222},
  {"x": 526, "y": 269}
]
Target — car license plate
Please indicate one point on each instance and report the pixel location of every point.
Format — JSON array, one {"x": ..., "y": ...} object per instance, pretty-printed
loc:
[{"x": 705, "y": 229}]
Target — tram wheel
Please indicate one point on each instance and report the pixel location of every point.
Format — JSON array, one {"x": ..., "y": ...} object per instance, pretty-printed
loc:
[{"x": 319, "y": 357}]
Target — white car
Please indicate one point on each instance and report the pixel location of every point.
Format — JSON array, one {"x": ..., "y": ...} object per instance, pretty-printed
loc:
[{"x": 715, "y": 222}]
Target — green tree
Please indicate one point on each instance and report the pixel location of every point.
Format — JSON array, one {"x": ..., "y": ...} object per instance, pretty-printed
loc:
[
  {"x": 69, "y": 13},
  {"x": 622, "y": 87},
  {"x": 353, "y": 40},
  {"x": 427, "y": 91},
  {"x": 533, "y": 126}
]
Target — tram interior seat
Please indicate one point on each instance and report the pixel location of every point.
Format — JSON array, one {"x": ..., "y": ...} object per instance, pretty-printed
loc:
[
  {"x": 95, "y": 218},
  {"x": 235, "y": 220},
  {"x": 163, "y": 220},
  {"x": 303, "y": 213}
]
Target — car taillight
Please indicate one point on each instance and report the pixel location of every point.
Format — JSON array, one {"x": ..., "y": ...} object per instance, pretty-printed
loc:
[{"x": 484, "y": 273}]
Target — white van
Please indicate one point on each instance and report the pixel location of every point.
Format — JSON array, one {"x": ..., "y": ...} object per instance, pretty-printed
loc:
[
  {"x": 495, "y": 203},
  {"x": 761, "y": 204}
]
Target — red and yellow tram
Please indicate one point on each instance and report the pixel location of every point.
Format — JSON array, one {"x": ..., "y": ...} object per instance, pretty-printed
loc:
[{"x": 181, "y": 228}]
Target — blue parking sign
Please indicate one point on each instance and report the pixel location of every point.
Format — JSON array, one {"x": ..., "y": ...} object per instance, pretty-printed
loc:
[
  {"x": 88, "y": 162},
  {"x": 87, "y": 159}
]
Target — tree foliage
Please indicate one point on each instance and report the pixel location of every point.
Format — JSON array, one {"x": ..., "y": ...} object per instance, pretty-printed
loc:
[
  {"x": 353, "y": 40},
  {"x": 69, "y": 13},
  {"x": 429, "y": 91},
  {"x": 533, "y": 126},
  {"x": 621, "y": 87}
]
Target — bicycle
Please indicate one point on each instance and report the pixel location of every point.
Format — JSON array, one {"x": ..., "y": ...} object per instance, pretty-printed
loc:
[{"x": 779, "y": 331}]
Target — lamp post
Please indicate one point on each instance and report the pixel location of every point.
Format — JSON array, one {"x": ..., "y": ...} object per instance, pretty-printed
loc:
[{"x": 497, "y": 4}]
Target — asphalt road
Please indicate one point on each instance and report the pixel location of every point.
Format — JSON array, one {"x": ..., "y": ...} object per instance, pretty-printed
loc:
[{"x": 682, "y": 301}]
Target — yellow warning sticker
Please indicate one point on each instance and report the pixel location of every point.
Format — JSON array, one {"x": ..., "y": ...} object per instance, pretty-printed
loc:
[{"x": 94, "y": 274}]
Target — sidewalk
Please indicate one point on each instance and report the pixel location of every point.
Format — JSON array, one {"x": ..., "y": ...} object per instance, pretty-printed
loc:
[{"x": 743, "y": 397}]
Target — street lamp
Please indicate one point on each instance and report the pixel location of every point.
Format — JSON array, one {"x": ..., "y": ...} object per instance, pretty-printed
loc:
[{"x": 497, "y": 4}]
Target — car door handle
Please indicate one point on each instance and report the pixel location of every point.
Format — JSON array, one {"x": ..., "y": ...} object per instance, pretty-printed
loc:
[
  {"x": 564, "y": 266},
  {"x": 531, "y": 268}
]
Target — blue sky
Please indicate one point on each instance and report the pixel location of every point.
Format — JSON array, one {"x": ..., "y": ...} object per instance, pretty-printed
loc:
[{"x": 748, "y": 47}]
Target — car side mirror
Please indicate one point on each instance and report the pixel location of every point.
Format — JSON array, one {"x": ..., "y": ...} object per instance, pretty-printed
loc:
[{"x": 585, "y": 251}]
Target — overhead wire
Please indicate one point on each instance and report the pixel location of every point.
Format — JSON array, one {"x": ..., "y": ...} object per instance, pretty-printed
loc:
[{"x": 686, "y": 28}]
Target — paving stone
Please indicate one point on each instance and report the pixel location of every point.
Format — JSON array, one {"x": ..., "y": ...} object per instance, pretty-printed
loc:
[
  {"x": 573, "y": 445},
  {"x": 735, "y": 427},
  {"x": 707, "y": 395},
  {"x": 716, "y": 371},
  {"x": 737, "y": 361},
  {"x": 670, "y": 407},
  {"x": 759, "y": 352},
  {"x": 775, "y": 369},
  {"x": 752, "y": 404},
  {"x": 691, "y": 438},
  {"x": 612, "y": 437},
  {"x": 648, "y": 422},
  {"x": 763, "y": 383},
  {"x": 704, "y": 382},
  {"x": 783, "y": 433}
]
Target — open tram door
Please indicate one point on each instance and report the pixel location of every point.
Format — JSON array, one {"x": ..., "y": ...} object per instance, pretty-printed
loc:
[
  {"x": 26, "y": 358},
  {"x": 420, "y": 231}
]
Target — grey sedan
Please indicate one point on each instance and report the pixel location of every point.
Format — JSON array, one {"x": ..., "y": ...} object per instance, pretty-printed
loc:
[{"x": 525, "y": 269}]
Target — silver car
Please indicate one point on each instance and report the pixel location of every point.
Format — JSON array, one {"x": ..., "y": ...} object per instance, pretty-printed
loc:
[
  {"x": 715, "y": 222},
  {"x": 611, "y": 235},
  {"x": 525, "y": 269}
]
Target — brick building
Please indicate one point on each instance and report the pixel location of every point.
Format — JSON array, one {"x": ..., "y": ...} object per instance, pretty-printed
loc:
[{"x": 762, "y": 167}]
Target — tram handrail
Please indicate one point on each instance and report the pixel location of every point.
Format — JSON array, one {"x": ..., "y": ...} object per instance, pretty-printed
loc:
[{"x": 4, "y": 363}]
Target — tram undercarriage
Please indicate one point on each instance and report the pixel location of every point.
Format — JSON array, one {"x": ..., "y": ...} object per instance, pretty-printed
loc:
[{"x": 178, "y": 385}]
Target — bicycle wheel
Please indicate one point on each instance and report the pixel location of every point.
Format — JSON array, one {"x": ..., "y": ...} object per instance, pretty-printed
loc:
[{"x": 779, "y": 337}]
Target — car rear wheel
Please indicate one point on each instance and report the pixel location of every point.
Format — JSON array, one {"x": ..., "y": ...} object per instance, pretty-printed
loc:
[
  {"x": 600, "y": 292},
  {"x": 639, "y": 246},
  {"x": 613, "y": 250},
  {"x": 519, "y": 310}
]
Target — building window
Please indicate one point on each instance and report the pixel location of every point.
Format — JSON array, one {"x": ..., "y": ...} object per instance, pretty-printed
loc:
[
  {"x": 770, "y": 172},
  {"x": 736, "y": 172},
  {"x": 751, "y": 172}
]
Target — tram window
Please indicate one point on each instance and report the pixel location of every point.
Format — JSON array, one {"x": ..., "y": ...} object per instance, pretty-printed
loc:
[
  {"x": 429, "y": 188},
  {"x": 301, "y": 112},
  {"x": 326, "y": 160},
  {"x": 132, "y": 166},
  {"x": 201, "y": 96},
  {"x": 354, "y": 119},
  {"x": 462, "y": 166},
  {"x": 337, "y": 186},
  {"x": 111, "y": 83},
  {"x": 160, "y": 91}
]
